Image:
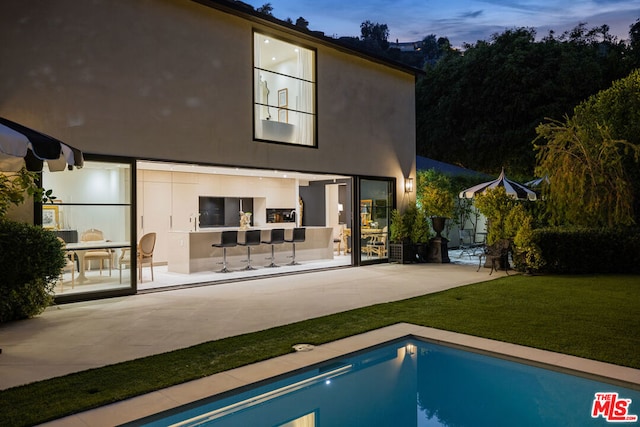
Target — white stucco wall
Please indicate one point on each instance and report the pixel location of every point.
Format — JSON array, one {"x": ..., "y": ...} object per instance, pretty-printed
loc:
[{"x": 172, "y": 80}]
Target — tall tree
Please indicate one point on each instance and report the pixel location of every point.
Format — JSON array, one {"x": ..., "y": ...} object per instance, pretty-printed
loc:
[
  {"x": 266, "y": 8},
  {"x": 375, "y": 36},
  {"x": 303, "y": 23},
  {"x": 634, "y": 43},
  {"x": 590, "y": 166},
  {"x": 480, "y": 109}
]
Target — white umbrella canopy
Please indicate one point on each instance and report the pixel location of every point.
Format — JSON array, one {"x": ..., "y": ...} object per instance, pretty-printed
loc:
[
  {"x": 513, "y": 189},
  {"x": 537, "y": 182},
  {"x": 20, "y": 145}
]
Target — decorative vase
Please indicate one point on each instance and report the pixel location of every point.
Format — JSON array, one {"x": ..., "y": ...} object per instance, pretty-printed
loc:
[{"x": 438, "y": 224}]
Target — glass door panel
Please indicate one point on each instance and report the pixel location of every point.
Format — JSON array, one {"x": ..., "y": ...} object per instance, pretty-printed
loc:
[{"x": 375, "y": 204}]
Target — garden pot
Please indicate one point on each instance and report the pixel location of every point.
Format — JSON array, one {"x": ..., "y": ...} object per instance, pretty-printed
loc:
[
  {"x": 402, "y": 253},
  {"x": 438, "y": 224}
]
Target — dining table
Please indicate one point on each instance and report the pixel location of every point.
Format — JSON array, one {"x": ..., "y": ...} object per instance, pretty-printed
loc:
[{"x": 81, "y": 248}]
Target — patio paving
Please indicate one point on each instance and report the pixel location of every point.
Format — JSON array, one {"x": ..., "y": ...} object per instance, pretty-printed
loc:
[{"x": 74, "y": 337}]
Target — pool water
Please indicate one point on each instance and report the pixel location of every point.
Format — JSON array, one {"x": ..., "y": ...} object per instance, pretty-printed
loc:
[{"x": 411, "y": 383}]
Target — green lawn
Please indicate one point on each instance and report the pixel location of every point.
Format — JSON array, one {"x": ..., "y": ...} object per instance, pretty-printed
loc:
[{"x": 595, "y": 317}]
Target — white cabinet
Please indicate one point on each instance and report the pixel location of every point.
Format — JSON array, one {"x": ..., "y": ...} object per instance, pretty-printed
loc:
[
  {"x": 155, "y": 216},
  {"x": 184, "y": 206},
  {"x": 168, "y": 201}
]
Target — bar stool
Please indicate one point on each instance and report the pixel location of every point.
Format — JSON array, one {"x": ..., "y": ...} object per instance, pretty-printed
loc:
[
  {"x": 251, "y": 238},
  {"x": 276, "y": 237},
  {"x": 297, "y": 236},
  {"x": 228, "y": 239}
]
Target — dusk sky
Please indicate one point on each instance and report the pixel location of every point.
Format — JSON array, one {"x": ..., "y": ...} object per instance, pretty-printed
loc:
[{"x": 459, "y": 20}]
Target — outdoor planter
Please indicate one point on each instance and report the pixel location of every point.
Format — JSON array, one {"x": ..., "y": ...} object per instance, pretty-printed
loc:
[
  {"x": 421, "y": 251},
  {"x": 402, "y": 253},
  {"x": 438, "y": 246}
]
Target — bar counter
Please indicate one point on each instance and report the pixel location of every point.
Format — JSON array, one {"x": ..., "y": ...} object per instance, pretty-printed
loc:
[{"x": 191, "y": 251}]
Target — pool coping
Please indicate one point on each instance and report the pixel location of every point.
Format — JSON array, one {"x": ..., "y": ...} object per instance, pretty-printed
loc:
[{"x": 178, "y": 395}]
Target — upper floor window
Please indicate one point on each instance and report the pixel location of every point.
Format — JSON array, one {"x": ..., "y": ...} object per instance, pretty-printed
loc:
[{"x": 284, "y": 93}]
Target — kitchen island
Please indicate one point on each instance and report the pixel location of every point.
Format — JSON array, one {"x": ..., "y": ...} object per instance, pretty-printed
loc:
[{"x": 191, "y": 251}]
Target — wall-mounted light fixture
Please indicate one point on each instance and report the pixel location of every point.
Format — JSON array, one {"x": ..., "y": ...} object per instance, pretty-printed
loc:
[
  {"x": 408, "y": 185},
  {"x": 340, "y": 207}
]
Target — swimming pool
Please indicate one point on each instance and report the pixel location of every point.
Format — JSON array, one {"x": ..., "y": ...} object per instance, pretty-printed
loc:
[{"x": 415, "y": 383}]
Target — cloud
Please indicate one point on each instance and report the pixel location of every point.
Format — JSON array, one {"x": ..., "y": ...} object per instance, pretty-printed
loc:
[
  {"x": 475, "y": 14},
  {"x": 461, "y": 21}
]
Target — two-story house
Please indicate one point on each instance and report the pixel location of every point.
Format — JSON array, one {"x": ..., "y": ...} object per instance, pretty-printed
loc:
[{"x": 191, "y": 111}]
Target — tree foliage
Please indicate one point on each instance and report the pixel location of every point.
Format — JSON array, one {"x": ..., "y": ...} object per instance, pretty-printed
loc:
[
  {"x": 303, "y": 23},
  {"x": 591, "y": 159},
  {"x": 434, "y": 193},
  {"x": 480, "y": 109},
  {"x": 375, "y": 36},
  {"x": 15, "y": 187},
  {"x": 266, "y": 8}
]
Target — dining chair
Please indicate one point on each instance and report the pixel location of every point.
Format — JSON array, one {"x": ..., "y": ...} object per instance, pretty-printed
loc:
[
  {"x": 144, "y": 254},
  {"x": 95, "y": 235},
  {"x": 69, "y": 266},
  {"x": 378, "y": 244}
]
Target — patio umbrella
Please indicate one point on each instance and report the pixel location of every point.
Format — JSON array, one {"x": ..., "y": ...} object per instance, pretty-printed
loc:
[
  {"x": 20, "y": 144},
  {"x": 537, "y": 182},
  {"x": 515, "y": 190}
]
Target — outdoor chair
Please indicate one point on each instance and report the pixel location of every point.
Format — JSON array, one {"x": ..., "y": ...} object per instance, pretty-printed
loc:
[
  {"x": 496, "y": 255},
  {"x": 468, "y": 245}
]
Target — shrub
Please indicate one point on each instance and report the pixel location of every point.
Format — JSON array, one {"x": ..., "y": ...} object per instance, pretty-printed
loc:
[
  {"x": 589, "y": 250},
  {"x": 398, "y": 229},
  {"x": 31, "y": 260}
]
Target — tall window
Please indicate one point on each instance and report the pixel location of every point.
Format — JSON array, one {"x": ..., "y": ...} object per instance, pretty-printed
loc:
[
  {"x": 284, "y": 91},
  {"x": 92, "y": 214}
]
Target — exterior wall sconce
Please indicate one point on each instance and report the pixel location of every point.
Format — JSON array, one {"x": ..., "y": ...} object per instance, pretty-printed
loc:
[{"x": 408, "y": 185}]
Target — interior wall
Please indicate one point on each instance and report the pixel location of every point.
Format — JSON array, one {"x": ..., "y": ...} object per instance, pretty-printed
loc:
[{"x": 313, "y": 198}]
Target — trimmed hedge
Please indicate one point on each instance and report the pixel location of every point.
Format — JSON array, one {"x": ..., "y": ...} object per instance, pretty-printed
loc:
[
  {"x": 588, "y": 251},
  {"x": 31, "y": 259}
]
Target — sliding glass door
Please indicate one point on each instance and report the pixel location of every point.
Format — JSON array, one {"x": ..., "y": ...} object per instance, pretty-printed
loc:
[{"x": 374, "y": 206}]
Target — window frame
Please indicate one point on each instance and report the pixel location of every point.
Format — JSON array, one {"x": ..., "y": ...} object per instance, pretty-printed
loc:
[{"x": 255, "y": 70}]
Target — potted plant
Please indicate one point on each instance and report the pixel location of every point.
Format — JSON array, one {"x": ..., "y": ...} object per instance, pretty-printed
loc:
[
  {"x": 399, "y": 236},
  {"x": 435, "y": 196},
  {"x": 420, "y": 235}
]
